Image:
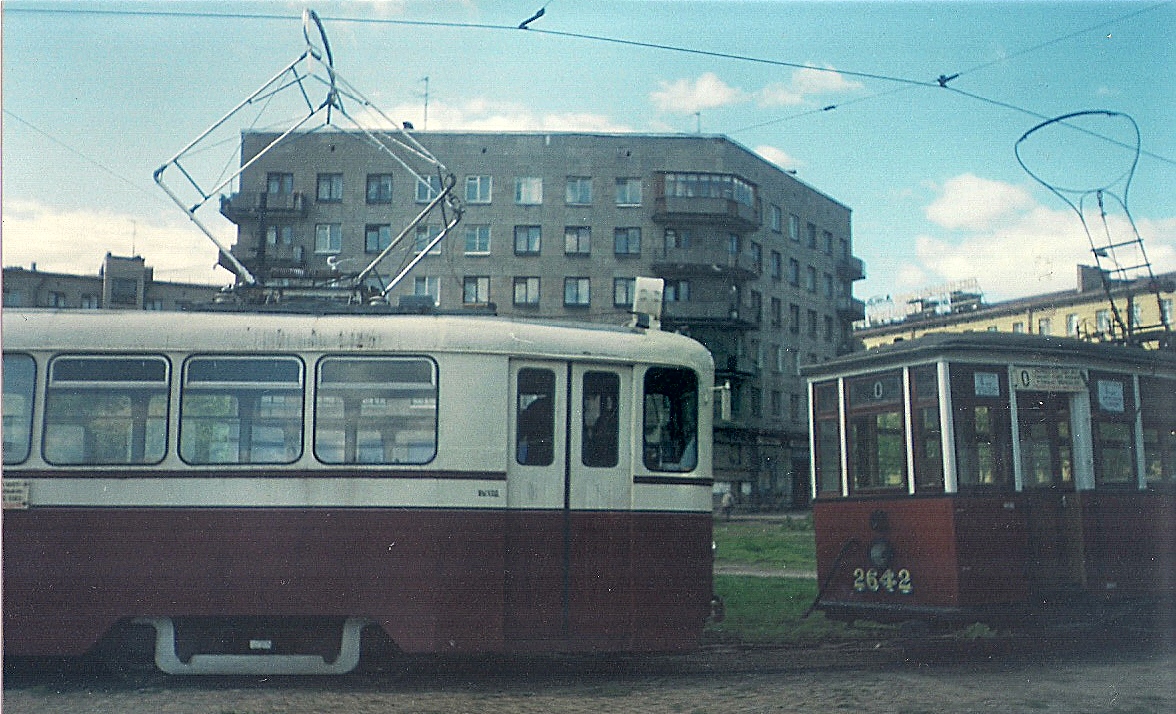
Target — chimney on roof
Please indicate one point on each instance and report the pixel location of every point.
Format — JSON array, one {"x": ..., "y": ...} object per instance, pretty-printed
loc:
[{"x": 1089, "y": 278}]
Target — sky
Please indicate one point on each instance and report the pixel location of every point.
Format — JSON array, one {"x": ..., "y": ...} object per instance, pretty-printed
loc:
[{"x": 909, "y": 113}]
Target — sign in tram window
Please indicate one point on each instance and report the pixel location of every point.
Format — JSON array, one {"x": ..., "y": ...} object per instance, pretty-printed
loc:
[
  {"x": 535, "y": 417},
  {"x": 376, "y": 410},
  {"x": 983, "y": 426},
  {"x": 670, "y": 420},
  {"x": 877, "y": 441},
  {"x": 241, "y": 410},
  {"x": 106, "y": 410},
  {"x": 600, "y": 429},
  {"x": 20, "y": 374},
  {"x": 1158, "y": 409},
  {"x": 1113, "y": 416}
]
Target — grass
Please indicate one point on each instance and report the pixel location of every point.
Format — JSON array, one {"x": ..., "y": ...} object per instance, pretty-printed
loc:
[
  {"x": 786, "y": 544},
  {"x": 772, "y": 610}
]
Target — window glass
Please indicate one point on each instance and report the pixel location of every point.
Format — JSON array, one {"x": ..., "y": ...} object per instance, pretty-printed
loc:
[
  {"x": 600, "y": 429},
  {"x": 330, "y": 188},
  {"x": 376, "y": 410},
  {"x": 529, "y": 190},
  {"x": 1112, "y": 409},
  {"x": 1158, "y": 409},
  {"x": 379, "y": 188},
  {"x": 20, "y": 375},
  {"x": 877, "y": 450},
  {"x": 928, "y": 435},
  {"x": 671, "y": 420},
  {"x": 983, "y": 426},
  {"x": 241, "y": 410},
  {"x": 828, "y": 439},
  {"x": 535, "y": 417},
  {"x": 106, "y": 410}
]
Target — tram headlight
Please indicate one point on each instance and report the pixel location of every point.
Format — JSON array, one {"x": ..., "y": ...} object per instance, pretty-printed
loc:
[{"x": 880, "y": 553}]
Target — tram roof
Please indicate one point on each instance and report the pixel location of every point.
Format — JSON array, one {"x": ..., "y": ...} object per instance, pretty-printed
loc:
[
  {"x": 134, "y": 330},
  {"x": 997, "y": 347}
]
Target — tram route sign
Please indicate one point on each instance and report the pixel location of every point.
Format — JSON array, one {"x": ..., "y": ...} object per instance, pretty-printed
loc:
[
  {"x": 1048, "y": 379},
  {"x": 16, "y": 494}
]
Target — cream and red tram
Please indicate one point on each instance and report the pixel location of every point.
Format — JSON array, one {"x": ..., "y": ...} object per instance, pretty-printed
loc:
[
  {"x": 265, "y": 493},
  {"x": 985, "y": 474}
]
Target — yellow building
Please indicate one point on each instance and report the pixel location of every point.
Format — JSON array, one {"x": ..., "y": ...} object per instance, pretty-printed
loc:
[{"x": 1134, "y": 311}]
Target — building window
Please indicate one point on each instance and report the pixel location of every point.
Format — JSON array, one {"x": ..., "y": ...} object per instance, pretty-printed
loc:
[
  {"x": 810, "y": 279},
  {"x": 1071, "y": 325},
  {"x": 710, "y": 186},
  {"x": 757, "y": 257},
  {"x": 477, "y": 240},
  {"x": 279, "y": 234},
  {"x": 734, "y": 245},
  {"x": 328, "y": 238},
  {"x": 628, "y": 192},
  {"x": 827, "y": 245},
  {"x": 794, "y": 271},
  {"x": 775, "y": 218},
  {"x": 776, "y": 266},
  {"x": 428, "y": 189},
  {"x": 379, "y": 188},
  {"x": 676, "y": 239},
  {"x": 1166, "y": 311},
  {"x": 427, "y": 285},
  {"x": 1019, "y": 328},
  {"x": 623, "y": 292},
  {"x": 57, "y": 299},
  {"x": 475, "y": 290},
  {"x": 376, "y": 238},
  {"x": 579, "y": 191},
  {"x": 90, "y": 302},
  {"x": 830, "y": 330},
  {"x": 811, "y": 232},
  {"x": 676, "y": 291},
  {"x": 526, "y": 291},
  {"x": 812, "y": 323},
  {"x": 1102, "y": 321},
  {"x": 627, "y": 241},
  {"x": 330, "y": 188},
  {"x": 279, "y": 183},
  {"x": 478, "y": 189},
  {"x": 577, "y": 292},
  {"x": 777, "y": 312},
  {"x": 528, "y": 190},
  {"x": 527, "y": 240},
  {"x": 828, "y": 282},
  {"x": 794, "y": 318},
  {"x": 577, "y": 240},
  {"x": 794, "y": 227},
  {"x": 425, "y": 236},
  {"x": 155, "y": 304},
  {"x": 757, "y": 306}
]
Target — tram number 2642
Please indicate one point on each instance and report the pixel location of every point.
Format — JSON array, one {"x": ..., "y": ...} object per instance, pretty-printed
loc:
[{"x": 889, "y": 580}]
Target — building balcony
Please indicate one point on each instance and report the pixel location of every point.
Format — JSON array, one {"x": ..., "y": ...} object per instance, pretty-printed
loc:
[
  {"x": 707, "y": 313},
  {"x": 733, "y": 365},
  {"x": 851, "y": 309},
  {"x": 252, "y": 205},
  {"x": 726, "y": 213},
  {"x": 706, "y": 261},
  {"x": 851, "y": 269}
]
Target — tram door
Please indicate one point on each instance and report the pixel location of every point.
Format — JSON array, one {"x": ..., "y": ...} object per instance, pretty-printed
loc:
[
  {"x": 569, "y": 492},
  {"x": 1053, "y": 513}
]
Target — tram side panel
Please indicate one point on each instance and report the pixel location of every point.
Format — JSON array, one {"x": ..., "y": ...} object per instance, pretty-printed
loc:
[{"x": 1130, "y": 543}]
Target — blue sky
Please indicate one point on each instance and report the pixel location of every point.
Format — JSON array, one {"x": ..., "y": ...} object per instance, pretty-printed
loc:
[{"x": 97, "y": 95}]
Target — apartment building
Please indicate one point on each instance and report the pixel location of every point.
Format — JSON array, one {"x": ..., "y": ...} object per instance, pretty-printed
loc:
[
  {"x": 758, "y": 266},
  {"x": 1134, "y": 311}
]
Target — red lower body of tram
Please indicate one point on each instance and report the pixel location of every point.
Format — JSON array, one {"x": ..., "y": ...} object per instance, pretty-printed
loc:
[
  {"x": 986, "y": 555},
  {"x": 236, "y": 580}
]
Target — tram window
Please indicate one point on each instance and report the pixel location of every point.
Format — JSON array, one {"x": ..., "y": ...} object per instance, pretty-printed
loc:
[
  {"x": 600, "y": 430},
  {"x": 983, "y": 427},
  {"x": 1113, "y": 414},
  {"x": 877, "y": 443},
  {"x": 1158, "y": 408},
  {"x": 106, "y": 410},
  {"x": 828, "y": 439},
  {"x": 20, "y": 374},
  {"x": 241, "y": 410},
  {"x": 535, "y": 417},
  {"x": 670, "y": 420},
  {"x": 928, "y": 434},
  {"x": 376, "y": 410}
]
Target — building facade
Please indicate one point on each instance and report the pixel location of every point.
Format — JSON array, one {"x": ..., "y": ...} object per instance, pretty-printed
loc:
[
  {"x": 757, "y": 265},
  {"x": 122, "y": 283},
  {"x": 1086, "y": 312}
]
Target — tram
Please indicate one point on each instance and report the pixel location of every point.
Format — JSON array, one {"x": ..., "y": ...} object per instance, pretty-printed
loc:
[
  {"x": 264, "y": 493},
  {"x": 984, "y": 475}
]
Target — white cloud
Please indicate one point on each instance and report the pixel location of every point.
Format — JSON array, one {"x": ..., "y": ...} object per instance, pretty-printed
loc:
[
  {"x": 76, "y": 241},
  {"x": 1015, "y": 246},
  {"x": 805, "y": 83},
  {"x": 973, "y": 203},
  {"x": 686, "y": 96},
  {"x": 481, "y": 114},
  {"x": 778, "y": 157}
]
